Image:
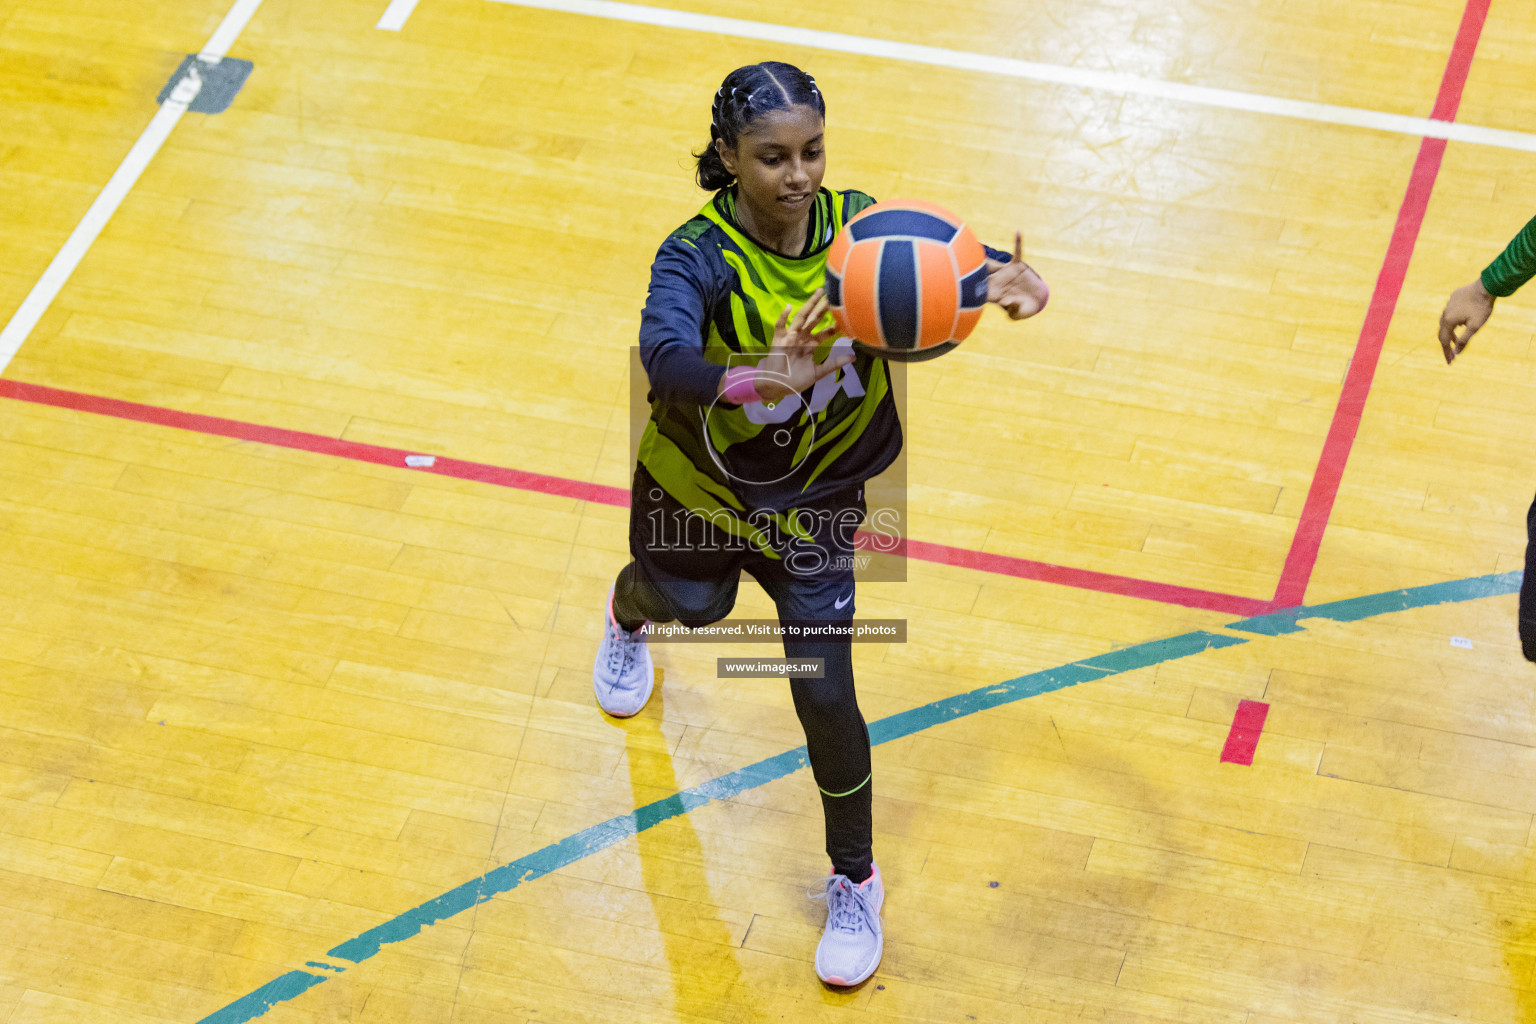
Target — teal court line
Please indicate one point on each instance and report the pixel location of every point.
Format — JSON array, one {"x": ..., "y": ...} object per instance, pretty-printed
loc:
[{"x": 601, "y": 836}]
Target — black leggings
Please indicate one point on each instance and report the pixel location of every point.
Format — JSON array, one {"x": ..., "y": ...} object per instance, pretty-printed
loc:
[
  {"x": 1528, "y": 589},
  {"x": 836, "y": 737},
  {"x": 837, "y": 742}
]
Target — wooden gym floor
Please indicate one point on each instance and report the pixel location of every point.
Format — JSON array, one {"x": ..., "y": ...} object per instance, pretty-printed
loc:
[{"x": 291, "y": 731}]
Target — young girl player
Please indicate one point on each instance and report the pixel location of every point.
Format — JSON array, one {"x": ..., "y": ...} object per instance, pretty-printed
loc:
[{"x": 762, "y": 433}]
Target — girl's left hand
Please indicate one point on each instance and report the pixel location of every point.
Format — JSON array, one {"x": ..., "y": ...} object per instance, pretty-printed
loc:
[
  {"x": 1015, "y": 286},
  {"x": 790, "y": 365}
]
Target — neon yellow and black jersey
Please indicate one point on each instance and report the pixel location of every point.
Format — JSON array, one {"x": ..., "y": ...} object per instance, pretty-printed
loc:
[{"x": 715, "y": 295}]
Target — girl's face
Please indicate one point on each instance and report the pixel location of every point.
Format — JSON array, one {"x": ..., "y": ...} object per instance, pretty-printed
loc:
[{"x": 779, "y": 162}]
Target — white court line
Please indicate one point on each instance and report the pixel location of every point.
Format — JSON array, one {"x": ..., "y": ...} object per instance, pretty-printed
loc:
[
  {"x": 112, "y": 194},
  {"x": 229, "y": 30},
  {"x": 1085, "y": 78},
  {"x": 396, "y": 14}
]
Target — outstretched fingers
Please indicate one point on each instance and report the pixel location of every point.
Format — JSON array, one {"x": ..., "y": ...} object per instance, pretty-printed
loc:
[
  {"x": 830, "y": 334},
  {"x": 832, "y": 364},
  {"x": 811, "y": 313}
]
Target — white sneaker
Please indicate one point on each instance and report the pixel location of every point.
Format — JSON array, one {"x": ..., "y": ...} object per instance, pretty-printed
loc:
[
  {"x": 622, "y": 675},
  {"x": 850, "y": 947}
]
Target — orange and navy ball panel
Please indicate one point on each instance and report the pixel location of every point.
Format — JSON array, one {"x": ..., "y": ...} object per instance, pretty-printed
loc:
[
  {"x": 906, "y": 275},
  {"x": 837, "y": 253},
  {"x": 904, "y": 293},
  {"x": 970, "y": 254},
  {"x": 884, "y": 221},
  {"x": 938, "y": 298},
  {"x": 860, "y": 303},
  {"x": 973, "y": 289}
]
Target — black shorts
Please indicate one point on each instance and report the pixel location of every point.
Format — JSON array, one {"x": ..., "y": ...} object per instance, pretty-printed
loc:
[{"x": 694, "y": 565}]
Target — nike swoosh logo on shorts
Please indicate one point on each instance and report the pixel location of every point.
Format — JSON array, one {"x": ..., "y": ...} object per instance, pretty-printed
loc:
[{"x": 839, "y": 605}]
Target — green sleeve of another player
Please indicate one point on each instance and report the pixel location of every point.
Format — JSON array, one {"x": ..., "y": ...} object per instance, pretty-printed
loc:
[{"x": 1515, "y": 265}]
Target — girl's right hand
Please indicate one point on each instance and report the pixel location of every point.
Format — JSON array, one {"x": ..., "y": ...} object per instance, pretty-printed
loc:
[{"x": 790, "y": 365}]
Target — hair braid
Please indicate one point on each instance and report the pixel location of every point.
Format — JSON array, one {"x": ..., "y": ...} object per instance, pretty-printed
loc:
[{"x": 746, "y": 94}]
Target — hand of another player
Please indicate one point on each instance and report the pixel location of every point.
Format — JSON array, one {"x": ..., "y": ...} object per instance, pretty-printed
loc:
[
  {"x": 1016, "y": 286},
  {"x": 790, "y": 365},
  {"x": 1469, "y": 307}
]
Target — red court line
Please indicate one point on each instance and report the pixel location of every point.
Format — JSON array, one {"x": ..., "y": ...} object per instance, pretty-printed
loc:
[
  {"x": 599, "y": 493},
  {"x": 1448, "y": 101},
  {"x": 1243, "y": 739},
  {"x": 1302, "y": 557},
  {"x": 302, "y": 441},
  {"x": 1086, "y": 579}
]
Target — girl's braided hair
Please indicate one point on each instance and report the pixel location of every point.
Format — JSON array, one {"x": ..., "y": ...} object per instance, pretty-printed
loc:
[{"x": 746, "y": 94}]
